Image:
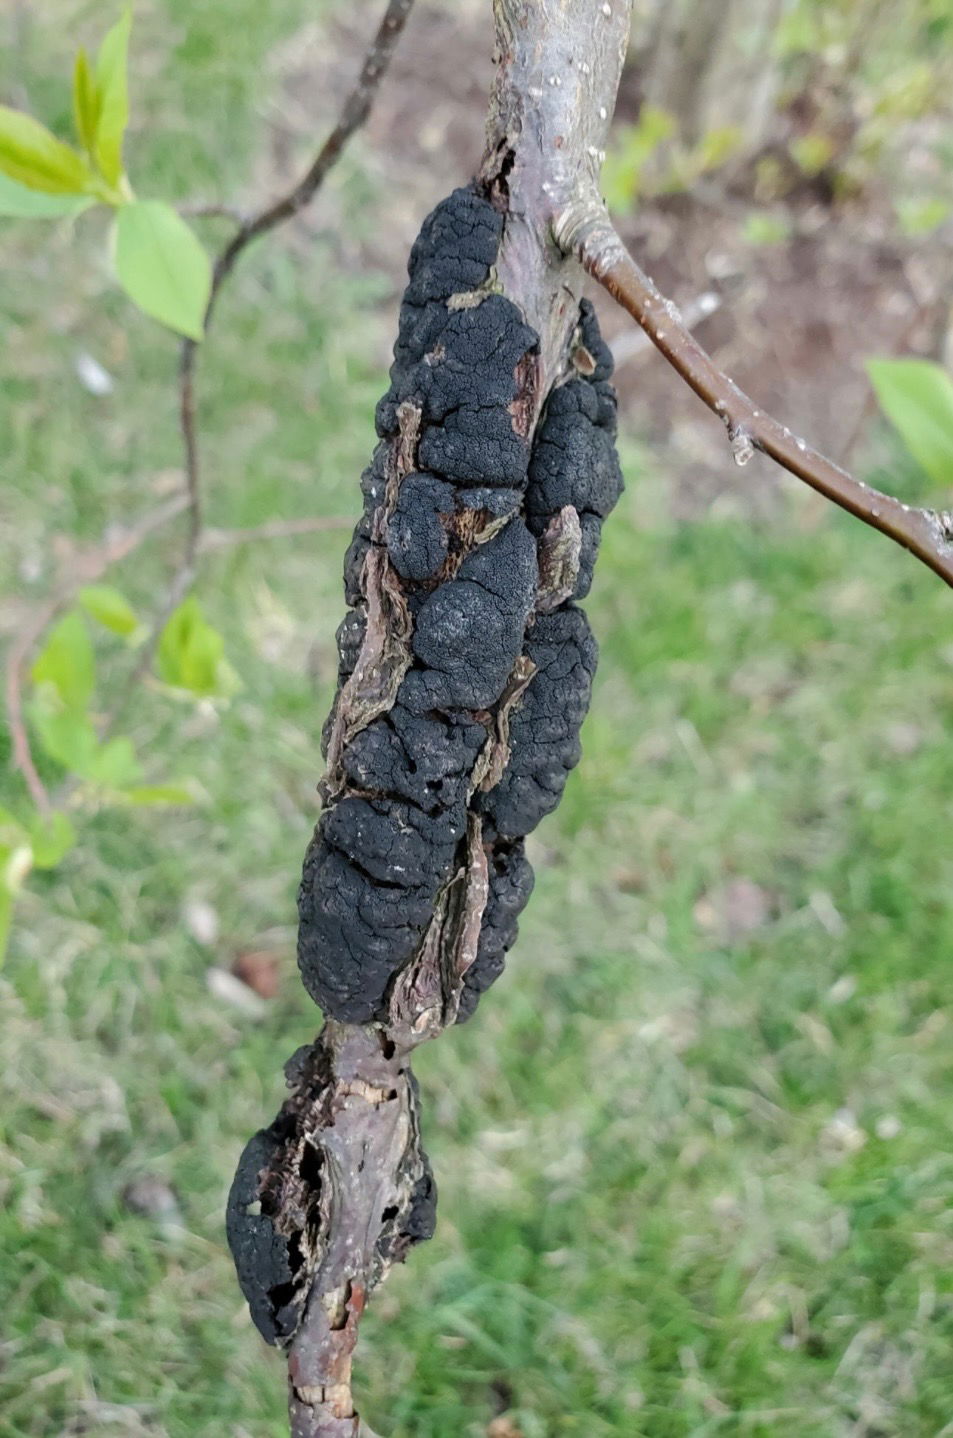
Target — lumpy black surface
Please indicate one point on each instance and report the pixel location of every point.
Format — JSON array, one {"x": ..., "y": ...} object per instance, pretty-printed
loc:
[{"x": 460, "y": 530}]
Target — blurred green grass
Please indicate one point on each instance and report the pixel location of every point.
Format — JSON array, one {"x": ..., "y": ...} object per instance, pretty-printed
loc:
[{"x": 695, "y": 1173}]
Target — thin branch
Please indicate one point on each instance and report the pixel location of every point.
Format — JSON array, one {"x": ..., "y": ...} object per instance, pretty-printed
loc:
[
  {"x": 636, "y": 345},
  {"x": 275, "y": 529},
  {"x": 584, "y": 229},
  {"x": 86, "y": 568},
  {"x": 191, "y": 445},
  {"x": 212, "y": 210},
  {"x": 355, "y": 111}
]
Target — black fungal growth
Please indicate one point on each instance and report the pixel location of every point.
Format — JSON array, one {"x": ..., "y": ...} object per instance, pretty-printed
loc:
[
  {"x": 465, "y": 514},
  {"x": 464, "y": 677}
]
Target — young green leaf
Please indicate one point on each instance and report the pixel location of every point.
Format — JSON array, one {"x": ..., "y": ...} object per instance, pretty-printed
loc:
[
  {"x": 114, "y": 765},
  {"x": 66, "y": 662},
  {"x": 18, "y": 202},
  {"x": 33, "y": 156},
  {"x": 109, "y": 608},
  {"x": 628, "y": 162},
  {"x": 162, "y": 266},
  {"x": 917, "y": 397},
  {"x": 51, "y": 839},
  {"x": 67, "y": 735},
  {"x": 159, "y": 794},
  {"x": 12, "y": 832},
  {"x": 113, "y": 95},
  {"x": 921, "y": 216},
  {"x": 15, "y": 864},
  {"x": 190, "y": 654},
  {"x": 85, "y": 102}
]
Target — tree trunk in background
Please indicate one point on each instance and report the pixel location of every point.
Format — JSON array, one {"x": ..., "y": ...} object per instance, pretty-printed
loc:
[{"x": 710, "y": 65}]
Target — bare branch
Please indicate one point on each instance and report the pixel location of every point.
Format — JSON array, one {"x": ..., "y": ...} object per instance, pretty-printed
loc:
[
  {"x": 85, "y": 568},
  {"x": 275, "y": 529},
  {"x": 584, "y": 229},
  {"x": 353, "y": 114},
  {"x": 191, "y": 445},
  {"x": 635, "y": 345},
  {"x": 213, "y": 210}
]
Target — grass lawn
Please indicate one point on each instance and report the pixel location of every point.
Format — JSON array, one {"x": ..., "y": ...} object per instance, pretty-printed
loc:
[{"x": 694, "y": 1151}]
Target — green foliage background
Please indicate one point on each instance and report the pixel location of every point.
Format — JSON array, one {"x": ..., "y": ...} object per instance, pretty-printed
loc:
[{"x": 694, "y": 1181}]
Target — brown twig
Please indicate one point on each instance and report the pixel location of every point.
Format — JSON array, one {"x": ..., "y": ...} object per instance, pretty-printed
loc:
[
  {"x": 274, "y": 529},
  {"x": 85, "y": 568},
  {"x": 212, "y": 210},
  {"x": 191, "y": 456},
  {"x": 635, "y": 345},
  {"x": 584, "y": 229}
]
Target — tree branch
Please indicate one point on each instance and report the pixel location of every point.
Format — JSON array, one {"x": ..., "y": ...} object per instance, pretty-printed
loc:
[
  {"x": 213, "y": 210},
  {"x": 559, "y": 63},
  {"x": 274, "y": 529},
  {"x": 583, "y": 228}
]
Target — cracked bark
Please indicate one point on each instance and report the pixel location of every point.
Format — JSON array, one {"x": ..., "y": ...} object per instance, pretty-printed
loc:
[{"x": 338, "y": 1188}]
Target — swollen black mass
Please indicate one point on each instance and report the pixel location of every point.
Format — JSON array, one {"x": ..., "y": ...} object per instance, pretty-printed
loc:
[{"x": 465, "y": 666}]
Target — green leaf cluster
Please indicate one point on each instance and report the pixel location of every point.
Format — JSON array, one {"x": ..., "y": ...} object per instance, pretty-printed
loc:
[
  {"x": 647, "y": 158},
  {"x": 38, "y": 843},
  {"x": 34, "y": 160},
  {"x": 64, "y": 678},
  {"x": 160, "y": 262},
  {"x": 64, "y": 675},
  {"x": 191, "y": 654},
  {"x": 107, "y": 771}
]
